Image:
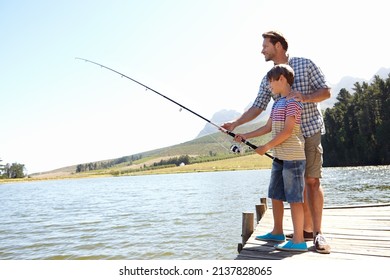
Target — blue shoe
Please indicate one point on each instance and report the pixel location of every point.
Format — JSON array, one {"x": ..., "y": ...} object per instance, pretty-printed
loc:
[
  {"x": 292, "y": 247},
  {"x": 271, "y": 237}
]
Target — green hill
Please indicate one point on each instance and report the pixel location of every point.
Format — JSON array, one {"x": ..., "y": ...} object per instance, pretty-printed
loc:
[{"x": 207, "y": 153}]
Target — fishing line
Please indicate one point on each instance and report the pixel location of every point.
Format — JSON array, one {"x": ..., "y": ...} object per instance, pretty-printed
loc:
[
  {"x": 182, "y": 107},
  {"x": 233, "y": 147}
]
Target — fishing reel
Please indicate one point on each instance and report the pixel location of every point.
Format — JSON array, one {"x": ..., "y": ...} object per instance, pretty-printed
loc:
[{"x": 235, "y": 149}]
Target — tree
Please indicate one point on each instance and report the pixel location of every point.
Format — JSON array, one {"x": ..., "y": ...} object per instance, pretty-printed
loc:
[
  {"x": 358, "y": 126},
  {"x": 15, "y": 170},
  {"x": 1, "y": 168}
]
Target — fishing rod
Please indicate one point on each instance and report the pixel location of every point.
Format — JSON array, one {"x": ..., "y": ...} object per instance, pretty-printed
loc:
[{"x": 234, "y": 148}]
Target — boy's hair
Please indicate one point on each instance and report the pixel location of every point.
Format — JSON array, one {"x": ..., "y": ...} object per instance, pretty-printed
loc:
[
  {"x": 279, "y": 70},
  {"x": 276, "y": 36}
]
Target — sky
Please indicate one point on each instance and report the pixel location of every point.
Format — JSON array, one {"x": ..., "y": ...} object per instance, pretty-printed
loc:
[{"x": 57, "y": 111}]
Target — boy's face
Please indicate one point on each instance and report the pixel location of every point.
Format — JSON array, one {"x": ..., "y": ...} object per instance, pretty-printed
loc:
[{"x": 276, "y": 85}]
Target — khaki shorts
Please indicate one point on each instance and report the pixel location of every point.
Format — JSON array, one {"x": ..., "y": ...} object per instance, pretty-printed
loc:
[{"x": 313, "y": 151}]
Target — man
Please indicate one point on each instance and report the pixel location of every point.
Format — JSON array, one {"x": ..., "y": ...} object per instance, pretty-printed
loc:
[{"x": 310, "y": 87}]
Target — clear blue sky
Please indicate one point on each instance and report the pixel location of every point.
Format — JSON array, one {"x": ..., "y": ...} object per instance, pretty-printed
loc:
[{"x": 57, "y": 111}]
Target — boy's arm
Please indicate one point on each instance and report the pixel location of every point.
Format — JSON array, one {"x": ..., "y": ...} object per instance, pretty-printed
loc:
[
  {"x": 280, "y": 137},
  {"x": 255, "y": 133}
]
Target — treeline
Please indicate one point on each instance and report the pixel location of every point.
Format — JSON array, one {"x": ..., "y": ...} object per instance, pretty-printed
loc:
[
  {"x": 12, "y": 171},
  {"x": 358, "y": 126},
  {"x": 163, "y": 163},
  {"x": 106, "y": 164},
  {"x": 174, "y": 161}
]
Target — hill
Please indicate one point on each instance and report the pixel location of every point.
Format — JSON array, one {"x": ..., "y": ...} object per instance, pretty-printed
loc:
[{"x": 210, "y": 148}]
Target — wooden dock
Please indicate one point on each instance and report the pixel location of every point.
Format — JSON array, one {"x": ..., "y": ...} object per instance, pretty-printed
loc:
[{"x": 353, "y": 232}]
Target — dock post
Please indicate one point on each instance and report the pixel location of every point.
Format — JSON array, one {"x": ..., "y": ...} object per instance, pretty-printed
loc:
[
  {"x": 247, "y": 228},
  {"x": 260, "y": 209},
  {"x": 263, "y": 200}
]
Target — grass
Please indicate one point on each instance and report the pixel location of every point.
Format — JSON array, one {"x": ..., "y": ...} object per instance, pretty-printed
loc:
[{"x": 247, "y": 162}]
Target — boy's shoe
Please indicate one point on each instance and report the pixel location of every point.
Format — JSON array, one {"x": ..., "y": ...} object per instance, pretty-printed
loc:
[
  {"x": 308, "y": 236},
  {"x": 292, "y": 247},
  {"x": 271, "y": 237},
  {"x": 321, "y": 245}
]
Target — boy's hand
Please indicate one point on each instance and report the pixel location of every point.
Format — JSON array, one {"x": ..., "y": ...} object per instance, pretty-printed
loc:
[
  {"x": 261, "y": 150},
  {"x": 239, "y": 138}
]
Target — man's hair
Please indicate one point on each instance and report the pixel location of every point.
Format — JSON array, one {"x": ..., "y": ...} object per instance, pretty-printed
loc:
[
  {"x": 275, "y": 37},
  {"x": 279, "y": 70}
]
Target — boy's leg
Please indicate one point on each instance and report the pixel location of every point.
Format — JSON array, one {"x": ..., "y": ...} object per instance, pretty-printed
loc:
[
  {"x": 276, "y": 193},
  {"x": 297, "y": 215},
  {"x": 293, "y": 176},
  {"x": 278, "y": 212}
]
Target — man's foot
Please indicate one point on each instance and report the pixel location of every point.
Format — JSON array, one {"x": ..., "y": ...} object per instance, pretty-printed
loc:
[
  {"x": 321, "y": 245},
  {"x": 308, "y": 236}
]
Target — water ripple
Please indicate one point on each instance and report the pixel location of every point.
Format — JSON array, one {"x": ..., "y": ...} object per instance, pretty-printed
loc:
[{"x": 177, "y": 216}]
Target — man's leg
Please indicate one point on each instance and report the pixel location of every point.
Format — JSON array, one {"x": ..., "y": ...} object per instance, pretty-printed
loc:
[
  {"x": 315, "y": 201},
  {"x": 315, "y": 193},
  {"x": 308, "y": 223}
]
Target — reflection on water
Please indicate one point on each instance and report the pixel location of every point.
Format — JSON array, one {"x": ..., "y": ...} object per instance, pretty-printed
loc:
[
  {"x": 177, "y": 216},
  {"x": 356, "y": 185}
]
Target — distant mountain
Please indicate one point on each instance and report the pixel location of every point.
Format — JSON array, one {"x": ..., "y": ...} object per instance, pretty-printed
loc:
[
  {"x": 223, "y": 116},
  {"x": 218, "y": 118},
  {"x": 348, "y": 82},
  {"x": 383, "y": 72}
]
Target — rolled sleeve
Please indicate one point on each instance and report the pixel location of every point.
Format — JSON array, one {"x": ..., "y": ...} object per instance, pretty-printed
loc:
[{"x": 264, "y": 95}]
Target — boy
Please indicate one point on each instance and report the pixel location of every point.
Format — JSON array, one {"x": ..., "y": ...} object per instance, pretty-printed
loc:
[{"x": 287, "y": 179}]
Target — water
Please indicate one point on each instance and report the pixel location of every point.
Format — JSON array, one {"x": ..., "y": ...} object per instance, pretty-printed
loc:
[{"x": 176, "y": 216}]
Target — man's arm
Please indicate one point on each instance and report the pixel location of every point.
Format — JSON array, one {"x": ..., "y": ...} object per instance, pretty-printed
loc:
[
  {"x": 315, "y": 97},
  {"x": 247, "y": 116},
  {"x": 255, "y": 133}
]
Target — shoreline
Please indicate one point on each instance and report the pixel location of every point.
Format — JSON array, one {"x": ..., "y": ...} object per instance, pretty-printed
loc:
[{"x": 248, "y": 162}]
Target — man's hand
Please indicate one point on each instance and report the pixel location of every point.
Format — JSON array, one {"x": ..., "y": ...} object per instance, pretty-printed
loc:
[
  {"x": 230, "y": 126},
  {"x": 296, "y": 95}
]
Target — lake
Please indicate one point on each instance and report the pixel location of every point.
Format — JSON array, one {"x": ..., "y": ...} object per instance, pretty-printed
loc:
[{"x": 174, "y": 216}]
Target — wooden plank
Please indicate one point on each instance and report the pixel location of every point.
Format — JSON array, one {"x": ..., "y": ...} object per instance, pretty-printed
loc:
[{"x": 354, "y": 233}]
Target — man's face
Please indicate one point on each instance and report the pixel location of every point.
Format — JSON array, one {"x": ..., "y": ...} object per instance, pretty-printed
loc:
[{"x": 268, "y": 50}]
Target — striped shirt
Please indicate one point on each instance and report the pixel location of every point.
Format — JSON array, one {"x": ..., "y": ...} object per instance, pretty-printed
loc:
[
  {"x": 308, "y": 78},
  {"x": 293, "y": 147}
]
